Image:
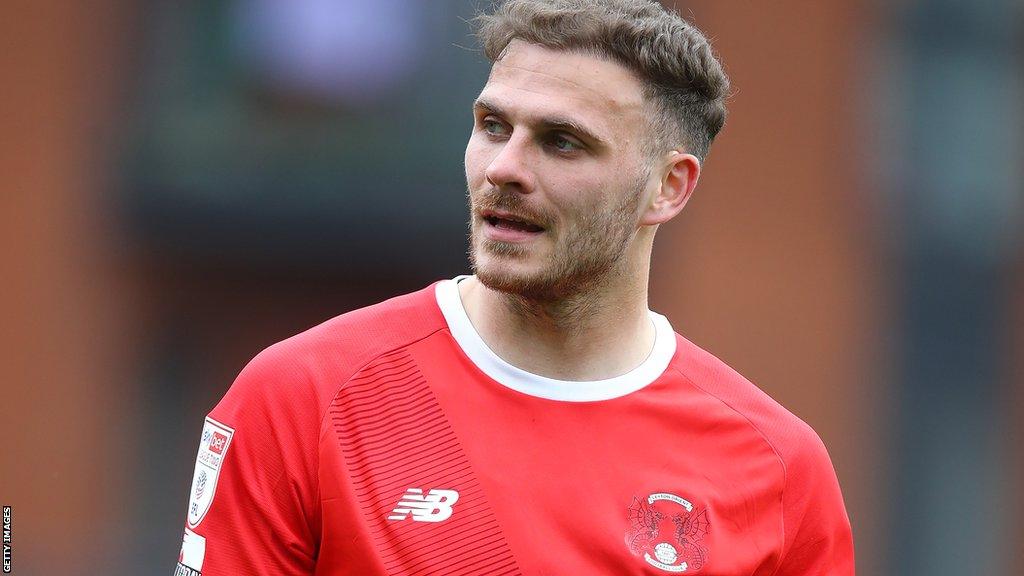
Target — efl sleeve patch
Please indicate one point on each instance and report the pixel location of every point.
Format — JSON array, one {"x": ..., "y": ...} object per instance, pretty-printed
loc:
[{"x": 213, "y": 448}]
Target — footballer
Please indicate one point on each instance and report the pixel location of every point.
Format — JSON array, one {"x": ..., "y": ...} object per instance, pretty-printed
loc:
[{"x": 534, "y": 417}]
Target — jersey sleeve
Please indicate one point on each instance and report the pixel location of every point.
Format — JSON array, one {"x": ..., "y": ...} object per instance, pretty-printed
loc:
[
  {"x": 818, "y": 538},
  {"x": 253, "y": 503}
]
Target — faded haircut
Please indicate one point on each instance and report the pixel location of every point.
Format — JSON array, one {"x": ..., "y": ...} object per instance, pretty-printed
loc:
[{"x": 685, "y": 86}]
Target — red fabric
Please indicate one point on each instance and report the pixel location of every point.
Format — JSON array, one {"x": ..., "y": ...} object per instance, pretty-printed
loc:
[{"x": 334, "y": 426}]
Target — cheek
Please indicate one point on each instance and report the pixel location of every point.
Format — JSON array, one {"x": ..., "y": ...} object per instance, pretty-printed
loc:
[
  {"x": 581, "y": 198},
  {"x": 593, "y": 206},
  {"x": 476, "y": 162}
]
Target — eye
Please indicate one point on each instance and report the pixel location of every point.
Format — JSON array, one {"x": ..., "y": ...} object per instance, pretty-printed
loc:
[
  {"x": 493, "y": 127},
  {"x": 565, "y": 144}
]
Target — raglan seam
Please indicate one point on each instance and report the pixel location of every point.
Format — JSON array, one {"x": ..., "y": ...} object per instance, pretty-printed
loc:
[{"x": 778, "y": 454}]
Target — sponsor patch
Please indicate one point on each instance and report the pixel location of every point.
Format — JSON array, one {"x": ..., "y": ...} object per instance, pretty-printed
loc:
[
  {"x": 193, "y": 550},
  {"x": 213, "y": 448}
]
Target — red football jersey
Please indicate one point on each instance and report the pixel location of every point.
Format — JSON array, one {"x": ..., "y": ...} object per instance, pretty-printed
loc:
[{"x": 392, "y": 440}]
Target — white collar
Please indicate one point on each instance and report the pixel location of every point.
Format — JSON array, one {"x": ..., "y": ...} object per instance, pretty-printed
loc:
[{"x": 466, "y": 336}]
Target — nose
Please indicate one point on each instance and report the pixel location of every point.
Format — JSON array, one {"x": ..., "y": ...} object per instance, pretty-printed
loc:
[{"x": 512, "y": 166}]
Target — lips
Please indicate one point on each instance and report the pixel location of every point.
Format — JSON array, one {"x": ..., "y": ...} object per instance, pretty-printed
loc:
[{"x": 509, "y": 221}]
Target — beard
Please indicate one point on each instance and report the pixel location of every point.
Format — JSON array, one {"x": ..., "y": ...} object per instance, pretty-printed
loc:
[{"x": 588, "y": 249}]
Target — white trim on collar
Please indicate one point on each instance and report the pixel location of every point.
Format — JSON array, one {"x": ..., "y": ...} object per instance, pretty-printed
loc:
[{"x": 466, "y": 336}]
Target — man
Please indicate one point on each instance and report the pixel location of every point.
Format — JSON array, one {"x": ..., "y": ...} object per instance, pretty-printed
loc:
[{"x": 536, "y": 417}]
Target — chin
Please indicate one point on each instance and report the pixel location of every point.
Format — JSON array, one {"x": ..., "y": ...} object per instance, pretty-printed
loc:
[
  {"x": 518, "y": 270},
  {"x": 503, "y": 273},
  {"x": 514, "y": 278},
  {"x": 500, "y": 273}
]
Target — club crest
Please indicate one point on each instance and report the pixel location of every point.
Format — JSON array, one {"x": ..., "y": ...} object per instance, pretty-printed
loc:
[{"x": 667, "y": 531}]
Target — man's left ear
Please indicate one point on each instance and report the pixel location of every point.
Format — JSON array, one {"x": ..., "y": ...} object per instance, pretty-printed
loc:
[{"x": 677, "y": 183}]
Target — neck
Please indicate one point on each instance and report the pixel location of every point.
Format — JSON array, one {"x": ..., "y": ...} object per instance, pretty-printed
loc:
[{"x": 602, "y": 332}]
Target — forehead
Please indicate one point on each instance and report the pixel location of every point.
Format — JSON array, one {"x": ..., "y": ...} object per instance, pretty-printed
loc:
[{"x": 533, "y": 79}]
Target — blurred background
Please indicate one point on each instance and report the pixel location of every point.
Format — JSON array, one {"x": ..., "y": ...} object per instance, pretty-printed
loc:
[{"x": 186, "y": 182}]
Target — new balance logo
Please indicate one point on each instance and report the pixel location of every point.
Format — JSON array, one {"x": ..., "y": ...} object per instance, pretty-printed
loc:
[{"x": 433, "y": 506}]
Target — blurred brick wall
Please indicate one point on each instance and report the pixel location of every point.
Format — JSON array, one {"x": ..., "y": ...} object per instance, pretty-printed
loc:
[{"x": 63, "y": 471}]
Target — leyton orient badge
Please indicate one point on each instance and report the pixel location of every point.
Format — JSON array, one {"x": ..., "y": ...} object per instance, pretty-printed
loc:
[
  {"x": 213, "y": 447},
  {"x": 668, "y": 532}
]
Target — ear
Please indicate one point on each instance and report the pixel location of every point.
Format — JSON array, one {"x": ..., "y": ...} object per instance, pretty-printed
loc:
[{"x": 679, "y": 178}]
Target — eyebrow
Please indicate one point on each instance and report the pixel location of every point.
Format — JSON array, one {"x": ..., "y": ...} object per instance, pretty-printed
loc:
[{"x": 550, "y": 122}]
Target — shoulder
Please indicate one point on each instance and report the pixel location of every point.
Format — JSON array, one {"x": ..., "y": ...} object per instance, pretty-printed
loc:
[
  {"x": 795, "y": 442},
  {"x": 266, "y": 468},
  {"x": 816, "y": 529},
  {"x": 310, "y": 367}
]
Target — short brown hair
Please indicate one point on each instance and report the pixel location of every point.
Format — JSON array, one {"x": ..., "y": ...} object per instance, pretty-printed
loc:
[{"x": 684, "y": 82}]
